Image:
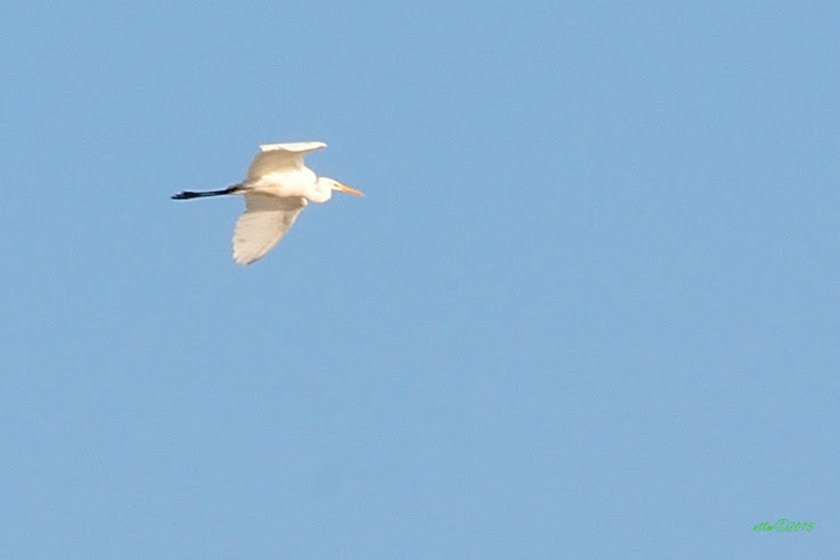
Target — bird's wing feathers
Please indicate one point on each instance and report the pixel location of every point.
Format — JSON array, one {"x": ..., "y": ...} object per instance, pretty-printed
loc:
[
  {"x": 277, "y": 157},
  {"x": 265, "y": 220}
]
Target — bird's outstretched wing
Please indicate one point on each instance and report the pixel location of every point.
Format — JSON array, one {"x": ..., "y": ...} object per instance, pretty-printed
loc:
[
  {"x": 279, "y": 157},
  {"x": 265, "y": 220}
]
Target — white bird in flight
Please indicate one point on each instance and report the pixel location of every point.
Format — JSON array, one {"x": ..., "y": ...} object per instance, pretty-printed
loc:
[{"x": 276, "y": 189}]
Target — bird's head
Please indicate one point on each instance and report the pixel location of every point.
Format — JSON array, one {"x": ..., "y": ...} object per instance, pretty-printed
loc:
[
  {"x": 324, "y": 187},
  {"x": 336, "y": 186}
]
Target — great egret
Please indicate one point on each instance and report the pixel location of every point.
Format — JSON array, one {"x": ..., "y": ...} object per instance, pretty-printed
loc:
[{"x": 276, "y": 189}]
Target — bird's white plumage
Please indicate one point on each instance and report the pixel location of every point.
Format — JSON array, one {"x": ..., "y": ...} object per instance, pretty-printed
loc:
[
  {"x": 277, "y": 188},
  {"x": 263, "y": 224},
  {"x": 277, "y": 158}
]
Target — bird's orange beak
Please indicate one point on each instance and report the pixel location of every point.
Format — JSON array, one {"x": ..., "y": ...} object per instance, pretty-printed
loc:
[{"x": 348, "y": 190}]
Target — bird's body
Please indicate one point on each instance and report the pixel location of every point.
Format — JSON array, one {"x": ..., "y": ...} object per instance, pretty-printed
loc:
[{"x": 277, "y": 188}]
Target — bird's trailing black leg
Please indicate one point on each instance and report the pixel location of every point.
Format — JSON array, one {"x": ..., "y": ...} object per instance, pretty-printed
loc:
[{"x": 186, "y": 195}]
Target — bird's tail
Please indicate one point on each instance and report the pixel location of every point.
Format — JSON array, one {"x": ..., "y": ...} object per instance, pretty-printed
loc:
[{"x": 186, "y": 195}]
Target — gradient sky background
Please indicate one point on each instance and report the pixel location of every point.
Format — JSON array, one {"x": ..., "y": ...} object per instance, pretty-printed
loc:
[{"x": 588, "y": 308}]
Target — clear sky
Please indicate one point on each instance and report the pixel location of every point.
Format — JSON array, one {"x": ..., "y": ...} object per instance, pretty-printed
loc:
[{"x": 589, "y": 308}]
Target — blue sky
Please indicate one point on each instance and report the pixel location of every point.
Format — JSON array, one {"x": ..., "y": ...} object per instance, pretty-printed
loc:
[{"x": 588, "y": 308}]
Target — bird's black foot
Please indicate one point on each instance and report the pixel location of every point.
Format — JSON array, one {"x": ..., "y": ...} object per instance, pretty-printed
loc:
[{"x": 184, "y": 195}]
